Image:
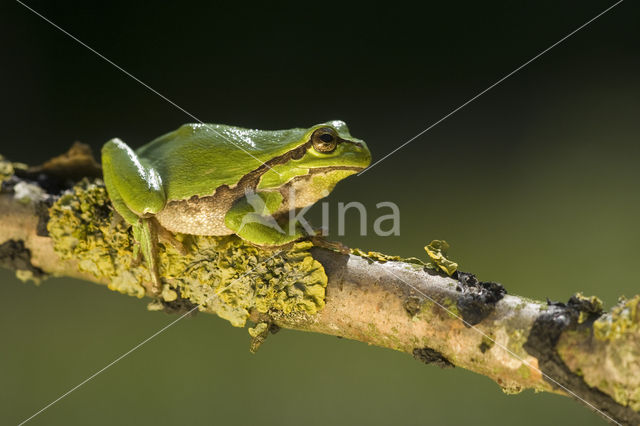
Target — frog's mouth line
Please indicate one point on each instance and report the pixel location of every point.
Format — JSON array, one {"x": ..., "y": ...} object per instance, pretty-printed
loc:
[
  {"x": 316, "y": 170},
  {"x": 295, "y": 154},
  {"x": 322, "y": 170}
]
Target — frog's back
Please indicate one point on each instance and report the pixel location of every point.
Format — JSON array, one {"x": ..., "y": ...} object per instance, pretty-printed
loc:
[{"x": 198, "y": 158}]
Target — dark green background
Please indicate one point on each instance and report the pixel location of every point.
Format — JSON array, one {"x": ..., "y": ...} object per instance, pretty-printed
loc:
[{"x": 534, "y": 185}]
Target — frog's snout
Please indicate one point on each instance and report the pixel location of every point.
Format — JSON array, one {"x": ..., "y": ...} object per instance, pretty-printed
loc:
[{"x": 363, "y": 152}]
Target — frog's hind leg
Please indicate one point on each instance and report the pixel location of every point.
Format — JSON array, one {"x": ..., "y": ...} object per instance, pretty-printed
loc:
[
  {"x": 145, "y": 235},
  {"x": 144, "y": 232}
]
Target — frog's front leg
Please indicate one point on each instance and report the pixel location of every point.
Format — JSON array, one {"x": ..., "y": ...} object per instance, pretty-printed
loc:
[
  {"x": 136, "y": 192},
  {"x": 251, "y": 219}
]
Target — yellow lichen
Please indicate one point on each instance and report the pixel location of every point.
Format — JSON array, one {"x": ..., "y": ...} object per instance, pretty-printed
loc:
[
  {"x": 611, "y": 364},
  {"x": 258, "y": 334},
  {"x": 451, "y": 307},
  {"x": 486, "y": 344},
  {"x": 234, "y": 278},
  {"x": 25, "y": 275},
  {"x": 223, "y": 275},
  {"x": 524, "y": 371},
  {"x": 512, "y": 389},
  {"x": 623, "y": 320},
  {"x": 374, "y": 256},
  {"x": 6, "y": 169},
  {"x": 259, "y": 329},
  {"x": 437, "y": 250},
  {"x": 589, "y": 306},
  {"x": 83, "y": 227}
]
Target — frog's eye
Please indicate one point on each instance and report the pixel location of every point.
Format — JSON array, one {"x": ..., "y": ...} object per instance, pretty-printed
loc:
[{"x": 324, "y": 139}]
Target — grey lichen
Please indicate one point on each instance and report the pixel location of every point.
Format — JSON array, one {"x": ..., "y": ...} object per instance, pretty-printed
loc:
[
  {"x": 223, "y": 275},
  {"x": 27, "y": 193}
]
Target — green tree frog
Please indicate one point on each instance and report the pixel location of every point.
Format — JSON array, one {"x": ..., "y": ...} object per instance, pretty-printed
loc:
[{"x": 214, "y": 179}]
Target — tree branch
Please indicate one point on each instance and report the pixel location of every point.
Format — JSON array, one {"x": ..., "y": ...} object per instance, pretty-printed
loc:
[{"x": 52, "y": 225}]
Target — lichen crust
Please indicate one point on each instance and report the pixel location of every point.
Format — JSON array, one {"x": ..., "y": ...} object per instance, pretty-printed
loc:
[{"x": 222, "y": 275}]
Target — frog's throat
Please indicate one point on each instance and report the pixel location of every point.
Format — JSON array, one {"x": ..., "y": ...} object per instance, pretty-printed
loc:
[{"x": 299, "y": 192}]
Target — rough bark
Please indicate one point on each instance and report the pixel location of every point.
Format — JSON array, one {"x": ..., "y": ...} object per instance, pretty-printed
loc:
[{"x": 574, "y": 349}]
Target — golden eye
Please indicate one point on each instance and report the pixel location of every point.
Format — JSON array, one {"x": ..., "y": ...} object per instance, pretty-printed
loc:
[{"x": 324, "y": 139}]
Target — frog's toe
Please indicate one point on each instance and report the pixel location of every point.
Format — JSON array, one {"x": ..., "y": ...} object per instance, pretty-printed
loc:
[
  {"x": 167, "y": 236},
  {"x": 154, "y": 288}
]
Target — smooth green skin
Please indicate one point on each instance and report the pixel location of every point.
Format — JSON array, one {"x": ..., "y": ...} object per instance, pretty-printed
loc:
[{"x": 196, "y": 159}]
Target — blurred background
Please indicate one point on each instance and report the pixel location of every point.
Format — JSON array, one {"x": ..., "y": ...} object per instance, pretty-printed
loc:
[{"x": 534, "y": 185}]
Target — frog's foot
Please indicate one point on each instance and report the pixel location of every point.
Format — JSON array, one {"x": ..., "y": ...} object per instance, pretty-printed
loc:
[
  {"x": 153, "y": 290},
  {"x": 252, "y": 219},
  {"x": 167, "y": 236},
  {"x": 154, "y": 287}
]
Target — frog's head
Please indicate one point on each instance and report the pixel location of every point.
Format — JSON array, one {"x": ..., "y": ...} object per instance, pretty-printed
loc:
[
  {"x": 325, "y": 154},
  {"x": 330, "y": 145}
]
